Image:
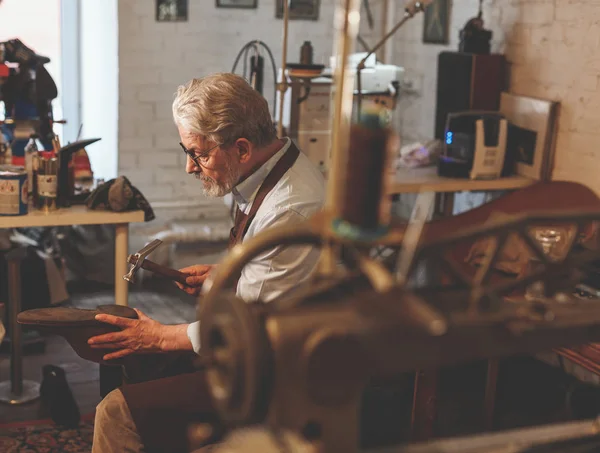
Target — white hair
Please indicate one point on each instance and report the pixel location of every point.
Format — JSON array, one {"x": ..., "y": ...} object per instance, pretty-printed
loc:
[{"x": 222, "y": 108}]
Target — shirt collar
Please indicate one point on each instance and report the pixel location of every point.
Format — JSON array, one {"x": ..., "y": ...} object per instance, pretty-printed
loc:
[{"x": 245, "y": 191}]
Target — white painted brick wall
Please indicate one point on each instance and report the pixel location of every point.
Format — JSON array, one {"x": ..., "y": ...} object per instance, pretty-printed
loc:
[
  {"x": 154, "y": 58},
  {"x": 553, "y": 47}
]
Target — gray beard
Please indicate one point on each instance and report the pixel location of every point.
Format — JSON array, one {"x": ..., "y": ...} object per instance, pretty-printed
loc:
[{"x": 214, "y": 190}]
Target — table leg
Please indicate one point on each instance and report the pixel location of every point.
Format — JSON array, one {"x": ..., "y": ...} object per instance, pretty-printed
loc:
[
  {"x": 17, "y": 390},
  {"x": 121, "y": 250},
  {"x": 491, "y": 382},
  {"x": 424, "y": 409}
]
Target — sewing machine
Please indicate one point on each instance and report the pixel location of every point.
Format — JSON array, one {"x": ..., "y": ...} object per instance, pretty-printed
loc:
[{"x": 299, "y": 365}]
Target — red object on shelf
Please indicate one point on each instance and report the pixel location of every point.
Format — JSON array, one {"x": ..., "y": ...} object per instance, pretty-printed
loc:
[
  {"x": 19, "y": 161},
  {"x": 4, "y": 70},
  {"x": 83, "y": 168},
  {"x": 47, "y": 154}
]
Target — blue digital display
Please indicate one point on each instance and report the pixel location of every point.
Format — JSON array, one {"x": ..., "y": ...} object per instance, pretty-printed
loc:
[{"x": 448, "y": 138}]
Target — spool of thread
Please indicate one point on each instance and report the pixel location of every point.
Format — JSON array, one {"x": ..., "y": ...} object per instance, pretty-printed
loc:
[{"x": 366, "y": 172}]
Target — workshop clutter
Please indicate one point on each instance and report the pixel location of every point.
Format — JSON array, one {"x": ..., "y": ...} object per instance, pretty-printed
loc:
[{"x": 36, "y": 172}]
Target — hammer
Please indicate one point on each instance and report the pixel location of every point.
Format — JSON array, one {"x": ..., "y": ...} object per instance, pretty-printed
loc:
[{"x": 138, "y": 260}]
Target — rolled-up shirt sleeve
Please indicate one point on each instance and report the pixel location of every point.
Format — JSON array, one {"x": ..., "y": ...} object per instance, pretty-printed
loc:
[{"x": 193, "y": 333}]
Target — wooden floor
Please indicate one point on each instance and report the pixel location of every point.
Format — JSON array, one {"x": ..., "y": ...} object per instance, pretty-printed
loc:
[{"x": 158, "y": 300}]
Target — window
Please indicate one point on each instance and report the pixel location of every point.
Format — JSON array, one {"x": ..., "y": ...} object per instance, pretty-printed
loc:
[{"x": 39, "y": 25}]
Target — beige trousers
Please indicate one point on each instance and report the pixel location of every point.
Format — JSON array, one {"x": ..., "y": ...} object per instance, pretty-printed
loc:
[{"x": 114, "y": 429}]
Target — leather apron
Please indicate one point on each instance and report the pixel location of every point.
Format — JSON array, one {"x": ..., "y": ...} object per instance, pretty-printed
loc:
[{"x": 163, "y": 409}]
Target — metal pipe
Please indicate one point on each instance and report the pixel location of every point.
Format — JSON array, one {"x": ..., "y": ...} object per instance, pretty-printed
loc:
[
  {"x": 283, "y": 85},
  {"x": 17, "y": 391},
  {"x": 386, "y": 16}
]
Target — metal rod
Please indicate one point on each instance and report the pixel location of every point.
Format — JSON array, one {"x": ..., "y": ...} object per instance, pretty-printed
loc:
[
  {"x": 283, "y": 86},
  {"x": 14, "y": 304},
  {"x": 361, "y": 65},
  {"x": 17, "y": 390},
  {"x": 347, "y": 18},
  {"x": 385, "y": 17}
]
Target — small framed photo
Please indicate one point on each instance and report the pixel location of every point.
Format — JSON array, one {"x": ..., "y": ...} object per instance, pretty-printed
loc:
[
  {"x": 436, "y": 23},
  {"x": 248, "y": 4},
  {"x": 533, "y": 123},
  {"x": 299, "y": 9},
  {"x": 171, "y": 10}
]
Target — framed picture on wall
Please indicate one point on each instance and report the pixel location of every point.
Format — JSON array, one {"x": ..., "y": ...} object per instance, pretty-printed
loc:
[
  {"x": 532, "y": 133},
  {"x": 171, "y": 10},
  {"x": 299, "y": 9},
  {"x": 436, "y": 22},
  {"x": 237, "y": 3}
]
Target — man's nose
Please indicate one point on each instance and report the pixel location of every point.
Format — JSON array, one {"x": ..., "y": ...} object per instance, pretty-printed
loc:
[{"x": 190, "y": 166}]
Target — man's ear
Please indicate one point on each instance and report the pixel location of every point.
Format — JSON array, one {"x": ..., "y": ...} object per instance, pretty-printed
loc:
[{"x": 244, "y": 149}]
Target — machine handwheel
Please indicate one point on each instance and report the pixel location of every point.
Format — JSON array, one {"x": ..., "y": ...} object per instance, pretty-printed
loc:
[{"x": 239, "y": 369}]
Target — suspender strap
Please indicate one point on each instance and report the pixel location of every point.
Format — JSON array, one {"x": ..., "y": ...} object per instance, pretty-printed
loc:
[{"x": 243, "y": 221}]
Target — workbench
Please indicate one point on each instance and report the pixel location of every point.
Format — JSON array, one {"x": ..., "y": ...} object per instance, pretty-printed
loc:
[
  {"x": 425, "y": 179},
  {"x": 80, "y": 215}
]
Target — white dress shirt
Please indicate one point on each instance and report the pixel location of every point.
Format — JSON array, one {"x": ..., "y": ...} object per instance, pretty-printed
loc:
[{"x": 298, "y": 195}]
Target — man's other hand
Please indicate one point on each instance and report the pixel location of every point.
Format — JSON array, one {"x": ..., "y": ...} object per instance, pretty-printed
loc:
[
  {"x": 142, "y": 335},
  {"x": 197, "y": 274}
]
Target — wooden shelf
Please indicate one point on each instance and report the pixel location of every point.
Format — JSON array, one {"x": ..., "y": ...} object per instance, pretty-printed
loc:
[
  {"x": 413, "y": 180},
  {"x": 75, "y": 215}
]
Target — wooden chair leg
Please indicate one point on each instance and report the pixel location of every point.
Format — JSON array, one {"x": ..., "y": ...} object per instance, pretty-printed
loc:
[{"x": 424, "y": 409}]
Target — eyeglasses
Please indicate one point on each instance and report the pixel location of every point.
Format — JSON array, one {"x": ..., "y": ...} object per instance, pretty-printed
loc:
[{"x": 201, "y": 156}]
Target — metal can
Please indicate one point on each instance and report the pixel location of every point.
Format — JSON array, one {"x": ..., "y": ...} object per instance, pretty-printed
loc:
[
  {"x": 47, "y": 182},
  {"x": 13, "y": 190}
]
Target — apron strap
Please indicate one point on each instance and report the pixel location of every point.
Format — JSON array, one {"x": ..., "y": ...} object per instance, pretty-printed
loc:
[{"x": 243, "y": 221}]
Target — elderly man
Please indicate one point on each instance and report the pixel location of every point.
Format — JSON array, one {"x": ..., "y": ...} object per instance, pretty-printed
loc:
[{"x": 231, "y": 146}]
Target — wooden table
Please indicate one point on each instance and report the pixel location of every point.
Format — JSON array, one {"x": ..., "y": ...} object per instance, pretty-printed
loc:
[
  {"x": 80, "y": 215},
  {"x": 425, "y": 179}
]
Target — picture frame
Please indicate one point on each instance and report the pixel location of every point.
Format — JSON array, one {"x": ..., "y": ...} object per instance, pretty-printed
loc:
[
  {"x": 436, "y": 22},
  {"x": 533, "y": 132},
  {"x": 241, "y": 4},
  {"x": 172, "y": 10},
  {"x": 299, "y": 9}
]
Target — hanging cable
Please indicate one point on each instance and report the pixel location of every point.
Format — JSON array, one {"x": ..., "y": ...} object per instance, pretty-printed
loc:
[
  {"x": 369, "y": 14},
  {"x": 362, "y": 42},
  {"x": 243, "y": 52}
]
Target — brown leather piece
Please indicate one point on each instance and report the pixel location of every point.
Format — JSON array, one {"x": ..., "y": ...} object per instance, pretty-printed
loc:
[
  {"x": 542, "y": 197},
  {"x": 76, "y": 325},
  {"x": 514, "y": 257},
  {"x": 66, "y": 316}
]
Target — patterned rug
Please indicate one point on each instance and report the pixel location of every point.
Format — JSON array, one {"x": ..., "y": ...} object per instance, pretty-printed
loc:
[{"x": 43, "y": 436}]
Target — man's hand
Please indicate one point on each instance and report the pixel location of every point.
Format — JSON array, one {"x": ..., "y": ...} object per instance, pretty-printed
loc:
[
  {"x": 197, "y": 275},
  {"x": 143, "y": 335}
]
